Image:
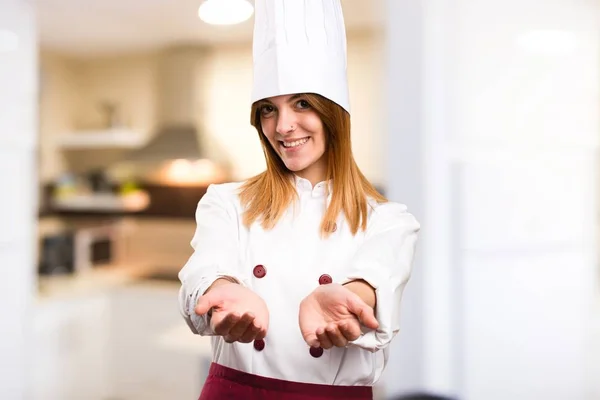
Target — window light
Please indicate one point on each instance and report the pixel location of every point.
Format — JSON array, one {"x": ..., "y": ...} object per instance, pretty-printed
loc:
[{"x": 225, "y": 12}]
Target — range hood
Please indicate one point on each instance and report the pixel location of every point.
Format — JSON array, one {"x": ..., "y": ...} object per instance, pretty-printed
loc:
[{"x": 179, "y": 109}]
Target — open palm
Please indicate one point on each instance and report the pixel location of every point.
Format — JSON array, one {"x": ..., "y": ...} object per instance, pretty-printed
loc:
[
  {"x": 332, "y": 315},
  {"x": 238, "y": 314}
]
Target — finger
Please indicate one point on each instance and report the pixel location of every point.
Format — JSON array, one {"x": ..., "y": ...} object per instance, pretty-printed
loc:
[
  {"x": 335, "y": 336},
  {"x": 368, "y": 318},
  {"x": 350, "y": 330},
  {"x": 205, "y": 303},
  {"x": 312, "y": 340},
  {"x": 228, "y": 339},
  {"x": 223, "y": 327},
  {"x": 262, "y": 333},
  {"x": 323, "y": 338},
  {"x": 241, "y": 325},
  {"x": 363, "y": 312},
  {"x": 251, "y": 333},
  {"x": 262, "y": 321}
]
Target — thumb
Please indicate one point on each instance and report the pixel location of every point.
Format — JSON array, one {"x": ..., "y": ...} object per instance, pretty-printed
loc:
[
  {"x": 363, "y": 312},
  {"x": 205, "y": 303}
]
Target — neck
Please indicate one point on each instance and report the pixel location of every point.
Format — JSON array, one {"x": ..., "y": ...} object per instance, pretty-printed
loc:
[
  {"x": 315, "y": 173},
  {"x": 313, "y": 177}
]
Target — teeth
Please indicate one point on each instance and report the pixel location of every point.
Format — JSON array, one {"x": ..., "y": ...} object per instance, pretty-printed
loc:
[{"x": 296, "y": 143}]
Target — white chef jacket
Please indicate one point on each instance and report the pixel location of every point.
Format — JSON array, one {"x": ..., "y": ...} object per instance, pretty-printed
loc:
[{"x": 285, "y": 264}]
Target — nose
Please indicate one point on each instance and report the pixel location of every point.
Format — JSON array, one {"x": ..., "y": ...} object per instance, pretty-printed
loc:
[{"x": 286, "y": 121}]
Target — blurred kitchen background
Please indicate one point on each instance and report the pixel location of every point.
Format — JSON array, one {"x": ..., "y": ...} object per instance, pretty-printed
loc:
[{"x": 482, "y": 116}]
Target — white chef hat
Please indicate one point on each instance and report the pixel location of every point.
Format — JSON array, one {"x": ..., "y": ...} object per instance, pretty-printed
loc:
[{"x": 299, "y": 46}]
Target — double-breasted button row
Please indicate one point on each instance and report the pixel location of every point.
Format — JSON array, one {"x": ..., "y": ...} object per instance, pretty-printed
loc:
[
  {"x": 260, "y": 272},
  {"x": 316, "y": 352}
]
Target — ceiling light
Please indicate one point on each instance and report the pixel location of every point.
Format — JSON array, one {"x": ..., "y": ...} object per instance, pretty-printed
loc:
[
  {"x": 9, "y": 41},
  {"x": 548, "y": 42},
  {"x": 225, "y": 12}
]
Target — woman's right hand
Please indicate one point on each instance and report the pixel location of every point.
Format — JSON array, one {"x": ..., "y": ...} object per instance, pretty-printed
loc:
[{"x": 238, "y": 314}]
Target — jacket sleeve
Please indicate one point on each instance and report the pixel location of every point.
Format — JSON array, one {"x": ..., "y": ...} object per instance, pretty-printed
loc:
[
  {"x": 215, "y": 243},
  {"x": 385, "y": 261}
]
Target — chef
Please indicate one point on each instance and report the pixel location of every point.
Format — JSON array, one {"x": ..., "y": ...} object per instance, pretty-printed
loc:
[{"x": 297, "y": 273}]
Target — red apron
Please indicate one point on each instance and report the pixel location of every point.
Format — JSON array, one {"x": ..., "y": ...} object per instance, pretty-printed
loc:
[{"x": 225, "y": 383}]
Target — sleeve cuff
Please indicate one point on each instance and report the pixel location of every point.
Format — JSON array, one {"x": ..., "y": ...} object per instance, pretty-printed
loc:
[
  {"x": 200, "y": 324},
  {"x": 370, "y": 339}
]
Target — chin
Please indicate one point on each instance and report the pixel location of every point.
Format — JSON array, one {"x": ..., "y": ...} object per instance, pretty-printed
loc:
[
  {"x": 297, "y": 163},
  {"x": 295, "y": 168}
]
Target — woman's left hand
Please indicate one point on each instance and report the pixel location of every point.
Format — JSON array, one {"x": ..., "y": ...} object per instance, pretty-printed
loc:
[{"x": 331, "y": 316}]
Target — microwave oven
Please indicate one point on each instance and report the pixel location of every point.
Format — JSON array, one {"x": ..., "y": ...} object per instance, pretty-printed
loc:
[
  {"x": 80, "y": 249},
  {"x": 95, "y": 246}
]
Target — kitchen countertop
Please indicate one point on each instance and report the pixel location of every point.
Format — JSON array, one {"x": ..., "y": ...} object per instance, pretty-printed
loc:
[
  {"x": 172, "y": 202},
  {"x": 93, "y": 282}
]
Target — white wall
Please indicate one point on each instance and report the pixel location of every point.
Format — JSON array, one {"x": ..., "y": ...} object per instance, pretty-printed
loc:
[
  {"x": 18, "y": 124},
  {"x": 406, "y": 147},
  {"x": 502, "y": 142}
]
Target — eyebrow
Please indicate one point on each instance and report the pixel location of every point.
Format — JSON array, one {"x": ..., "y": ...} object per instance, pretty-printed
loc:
[
  {"x": 296, "y": 97},
  {"x": 264, "y": 102},
  {"x": 292, "y": 98}
]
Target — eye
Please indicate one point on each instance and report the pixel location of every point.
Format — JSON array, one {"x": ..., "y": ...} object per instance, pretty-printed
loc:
[
  {"x": 303, "y": 104},
  {"x": 266, "y": 110}
]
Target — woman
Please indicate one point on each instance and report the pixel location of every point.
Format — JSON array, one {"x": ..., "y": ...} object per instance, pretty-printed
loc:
[{"x": 298, "y": 272}]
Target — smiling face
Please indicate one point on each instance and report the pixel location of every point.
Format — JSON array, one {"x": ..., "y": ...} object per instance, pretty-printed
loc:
[{"x": 295, "y": 132}]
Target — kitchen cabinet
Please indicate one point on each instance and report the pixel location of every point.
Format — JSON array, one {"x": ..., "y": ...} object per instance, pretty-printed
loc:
[
  {"x": 141, "y": 366},
  {"x": 68, "y": 359},
  {"x": 120, "y": 343}
]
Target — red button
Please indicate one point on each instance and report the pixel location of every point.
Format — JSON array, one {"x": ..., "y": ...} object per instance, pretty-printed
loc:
[
  {"x": 259, "y": 344},
  {"x": 325, "y": 279},
  {"x": 260, "y": 271},
  {"x": 331, "y": 227},
  {"x": 316, "y": 352}
]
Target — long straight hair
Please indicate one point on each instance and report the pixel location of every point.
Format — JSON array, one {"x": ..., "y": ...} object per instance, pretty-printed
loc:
[{"x": 267, "y": 196}]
